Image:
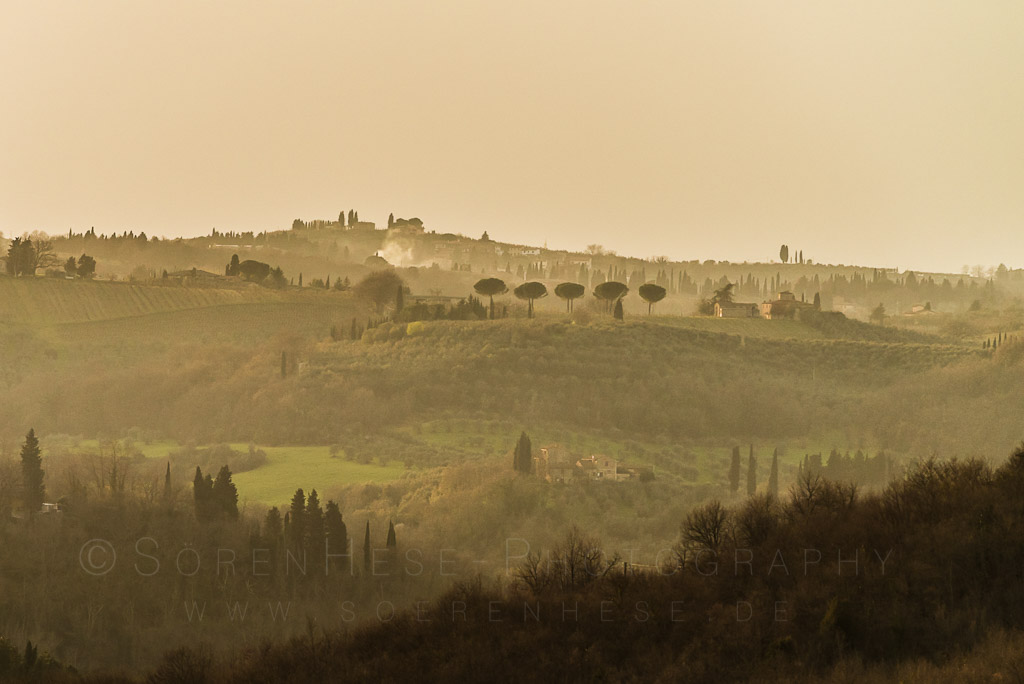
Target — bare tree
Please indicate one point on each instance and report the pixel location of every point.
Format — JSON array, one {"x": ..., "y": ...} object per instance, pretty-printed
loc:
[
  {"x": 706, "y": 526},
  {"x": 43, "y": 255}
]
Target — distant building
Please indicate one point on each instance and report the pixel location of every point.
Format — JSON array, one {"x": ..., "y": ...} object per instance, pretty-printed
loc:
[
  {"x": 785, "y": 305},
  {"x": 402, "y": 226},
  {"x": 735, "y": 310},
  {"x": 599, "y": 467},
  {"x": 195, "y": 275},
  {"x": 920, "y": 310},
  {"x": 556, "y": 464}
]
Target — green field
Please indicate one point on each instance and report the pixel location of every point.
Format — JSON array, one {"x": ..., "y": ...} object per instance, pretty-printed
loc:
[
  {"x": 287, "y": 469},
  {"x": 309, "y": 467}
]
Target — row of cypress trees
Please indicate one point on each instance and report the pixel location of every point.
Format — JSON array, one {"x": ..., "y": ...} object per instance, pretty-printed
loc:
[{"x": 735, "y": 468}]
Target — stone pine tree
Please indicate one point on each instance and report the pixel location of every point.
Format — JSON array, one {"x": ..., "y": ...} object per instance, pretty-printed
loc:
[
  {"x": 773, "y": 478},
  {"x": 751, "y": 473},
  {"x": 33, "y": 491},
  {"x": 522, "y": 460},
  {"x": 530, "y": 292},
  {"x": 569, "y": 292},
  {"x": 367, "y": 552},
  {"x": 488, "y": 287},
  {"x": 652, "y": 294},
  {"x": 734, "y": 471}
]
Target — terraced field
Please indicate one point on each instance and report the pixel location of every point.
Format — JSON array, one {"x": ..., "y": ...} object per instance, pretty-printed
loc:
[{"x": 46, "y": 301}]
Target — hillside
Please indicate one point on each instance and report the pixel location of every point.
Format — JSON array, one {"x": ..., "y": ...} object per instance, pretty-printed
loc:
[{"x": 46, "y": 301}]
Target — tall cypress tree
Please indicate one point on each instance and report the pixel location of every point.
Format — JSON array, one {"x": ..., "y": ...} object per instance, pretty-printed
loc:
[
  {"x": 522, "y": 461},
  {"x": 272, "y": 526},
  {"x": 33, "y": 490},
  {"x": 225, "y": 494},
  {"x": 734, "y": 471},
  {"x": 392, "y": 541},
  {"x": 337, "y": 532},
  {"x": 297, "y": 517},
  {"x": 366, "y": 548},
  {"x": 167, "y": 482},
  {"x": 751, "y": 473},
  {"x": 399, "y": 300},
  {"x": 773, "y": 478},
  {"x": 202, "y": 492},
  {"x": 314, "y": 524}
]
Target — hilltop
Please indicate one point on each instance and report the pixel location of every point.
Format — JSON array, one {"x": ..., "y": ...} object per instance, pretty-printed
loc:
[{"x": 436, "y": 263}]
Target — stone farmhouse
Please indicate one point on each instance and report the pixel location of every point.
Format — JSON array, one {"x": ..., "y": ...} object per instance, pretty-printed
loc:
[{"x": 556, "y": 464}]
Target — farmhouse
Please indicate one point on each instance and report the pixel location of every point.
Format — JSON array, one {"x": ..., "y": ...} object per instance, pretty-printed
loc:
[
  {"x": 598, "y": 467},
  {"x": 735, "y": 310},
  {"x": 785, "y": 305},
  {"x": 920, "y": 310},
  {"x": 556, "y": 464}
]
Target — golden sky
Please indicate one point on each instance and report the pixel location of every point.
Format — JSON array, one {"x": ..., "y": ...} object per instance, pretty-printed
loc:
[{"x": 876, "y": 132}]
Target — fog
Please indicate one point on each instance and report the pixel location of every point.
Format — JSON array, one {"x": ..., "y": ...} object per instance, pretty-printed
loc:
[{"x": 863, "y": 132}]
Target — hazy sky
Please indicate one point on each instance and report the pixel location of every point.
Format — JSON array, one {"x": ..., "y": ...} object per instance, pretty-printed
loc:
[{"x": 887, "y": 133}]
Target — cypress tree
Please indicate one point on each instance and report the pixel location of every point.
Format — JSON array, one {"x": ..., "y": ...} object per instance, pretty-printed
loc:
[
  {"x": 734, "y": 471},
  {"x": 33, "y": 490},
  {"x": 297, "y": 516},
  {"x": 522, "y": 461},
  {"x": 225, "y": 494},
  {"x": 392, "y": 542},
  {"x": 167, "y": 482},
  {"x": 399, "y": 300},
  {"x": 751, "y": 473},
  {"x": 773, "y": 478},
  {"x": 272, "y": 525},
  {"x": 618, "y": 310},
  {"x": 366, "y": 548},
  {"x": 314, "y": 523},
  {"x": 337, "y": 532},
  {"x": 202, "y": 493}
]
